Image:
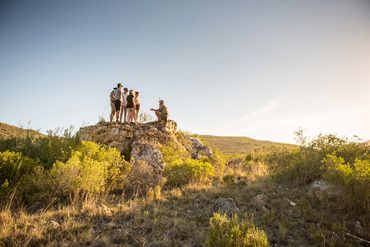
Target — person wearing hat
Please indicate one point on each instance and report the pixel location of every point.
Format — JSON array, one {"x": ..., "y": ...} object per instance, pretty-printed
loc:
[
  {"x": 161, "y": 112},
  {"x": 115, "y": 102}
]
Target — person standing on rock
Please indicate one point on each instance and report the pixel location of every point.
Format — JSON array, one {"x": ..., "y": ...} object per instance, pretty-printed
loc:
[
  {"x": 115, "y": 102},
  {"x": 124, "y": 106},
  {"x": 137, "y": 105},
  {"x": 131, "y": 106},
  {"x": 161, "y": 112}
]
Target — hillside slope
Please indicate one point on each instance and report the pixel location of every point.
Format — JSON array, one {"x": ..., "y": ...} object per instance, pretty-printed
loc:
[
  {"x": 10, "y": 131},
  {"x": 240, "y": 145}
]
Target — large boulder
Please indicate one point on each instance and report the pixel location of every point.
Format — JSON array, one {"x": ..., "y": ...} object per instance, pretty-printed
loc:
[
  {"x": 149, "y": 153},
  {"x": 199, "y": 149}
]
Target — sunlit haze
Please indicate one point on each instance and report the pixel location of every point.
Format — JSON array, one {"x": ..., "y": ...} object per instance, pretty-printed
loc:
[{"x": 260, "y": 69}]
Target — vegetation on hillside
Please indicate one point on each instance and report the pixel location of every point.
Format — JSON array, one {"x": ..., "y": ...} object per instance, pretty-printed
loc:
[
  {"x": 10, "y": 131},
  {"x": 57, "y": 191},
  {"x": 233, "y": 145}
]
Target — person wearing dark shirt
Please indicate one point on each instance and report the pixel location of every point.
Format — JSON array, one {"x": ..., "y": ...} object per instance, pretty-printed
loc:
[
  {"x": 115, "y": 101},
  {"x": 131, "y": 107}
]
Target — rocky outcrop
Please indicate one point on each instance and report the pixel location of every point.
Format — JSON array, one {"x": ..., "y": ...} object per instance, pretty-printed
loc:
[
  {"x": 144, "y": 151},
  {"x": 199, "y": 149},
  {"x": 141, "y": 143}
]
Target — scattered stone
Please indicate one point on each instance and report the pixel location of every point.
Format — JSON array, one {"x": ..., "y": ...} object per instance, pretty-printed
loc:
[
  {"x": 199, "y": 149},
  {"x": 291, "y": 203},
  {"x": 225, "y": 206},
  {"x": 321, "y": 189},
  {"x": 261, "y": 201},
  {"x": 105, "y": 210},
  {"x": 54, "y": 224}
]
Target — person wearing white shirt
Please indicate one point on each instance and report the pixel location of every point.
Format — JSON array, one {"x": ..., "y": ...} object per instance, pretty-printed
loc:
[
  {"x": 115, "y": 102},
  {"x": 123, "y": 112}
]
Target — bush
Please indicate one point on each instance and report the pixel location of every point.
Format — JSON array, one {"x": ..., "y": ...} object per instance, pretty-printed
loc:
[
  {"x": 303, "y": 165},
  {"x": 91, "y": 170},
  {"x": 13, "y": 166},
  {"x": 37, "y": 189},
  {"x": 231, "y": 232},
  {"x": 173, "y": 152},
  {"x": 47, "y": 149},
  {"x": 188, "y": 171},
  {"x": 354, "y": 177},
  {"x": 229, "y": 179}
]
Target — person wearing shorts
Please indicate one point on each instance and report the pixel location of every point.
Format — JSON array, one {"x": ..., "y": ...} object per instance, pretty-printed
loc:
[
  {"x": 131, "y": 107},
  {"x": 137, "y": 105},
  {"x": 123, "y": 112},
  {"x": 115, "y": 102}
]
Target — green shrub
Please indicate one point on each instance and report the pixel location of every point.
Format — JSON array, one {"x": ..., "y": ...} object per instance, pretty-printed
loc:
[
  {"x": 13, "y": 166},
  {"x": 91, "y": 170},
  {"x": 218, "y": 159},
  {"x": 231, "y": 232},
  {"x": 229, "y": 179},
  {"x": 46, "y": 149},
  {"x": 303, "y": 165},
  {"x": 173, "y": 152},
  {"x": 182, "y": 172},
  {"x": 37, "y": 189},
  {"x": 354, "y": 177}
]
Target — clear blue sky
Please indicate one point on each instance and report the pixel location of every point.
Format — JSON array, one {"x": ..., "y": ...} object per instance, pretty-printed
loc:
[{"x": 249, "y": 68}]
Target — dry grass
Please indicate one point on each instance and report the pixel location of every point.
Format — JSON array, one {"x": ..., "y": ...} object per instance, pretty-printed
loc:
[
  {"x": 10, "y": 131},
  {"x": 179, "y": 217}
]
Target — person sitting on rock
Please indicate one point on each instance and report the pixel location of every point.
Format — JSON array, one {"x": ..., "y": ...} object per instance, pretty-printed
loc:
[
  {"x": 115, "y": 101},
  {"x": 161, "y": 112}
]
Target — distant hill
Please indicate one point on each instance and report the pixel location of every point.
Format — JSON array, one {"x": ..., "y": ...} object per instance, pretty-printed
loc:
[
  {"x": 10, "y": 131},
  {"x": 240, "y": 145}
]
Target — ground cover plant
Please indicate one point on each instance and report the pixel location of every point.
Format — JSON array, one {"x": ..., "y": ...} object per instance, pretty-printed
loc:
[{"x": 75, "y": 196}]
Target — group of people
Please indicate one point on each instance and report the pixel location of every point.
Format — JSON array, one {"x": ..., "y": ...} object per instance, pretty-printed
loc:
[{"x": 125, "y": 104}]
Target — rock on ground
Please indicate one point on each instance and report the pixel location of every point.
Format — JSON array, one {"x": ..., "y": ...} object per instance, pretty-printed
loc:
[
  {"x": 261, "y": 202},
  {"x": 199, "y": 149},
  {"x": 320, "y": 189},
  {"x": 225, "y": 206}
]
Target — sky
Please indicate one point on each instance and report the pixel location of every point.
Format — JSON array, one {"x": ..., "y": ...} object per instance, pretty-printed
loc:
[{"x": 261, "y": 69}]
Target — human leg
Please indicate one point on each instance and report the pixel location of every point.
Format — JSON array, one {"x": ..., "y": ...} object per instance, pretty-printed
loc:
[
  {"x": 113, "y": 111},
  {"x": 124, "y": 114},
  {"x": 158, "y": 114}
]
